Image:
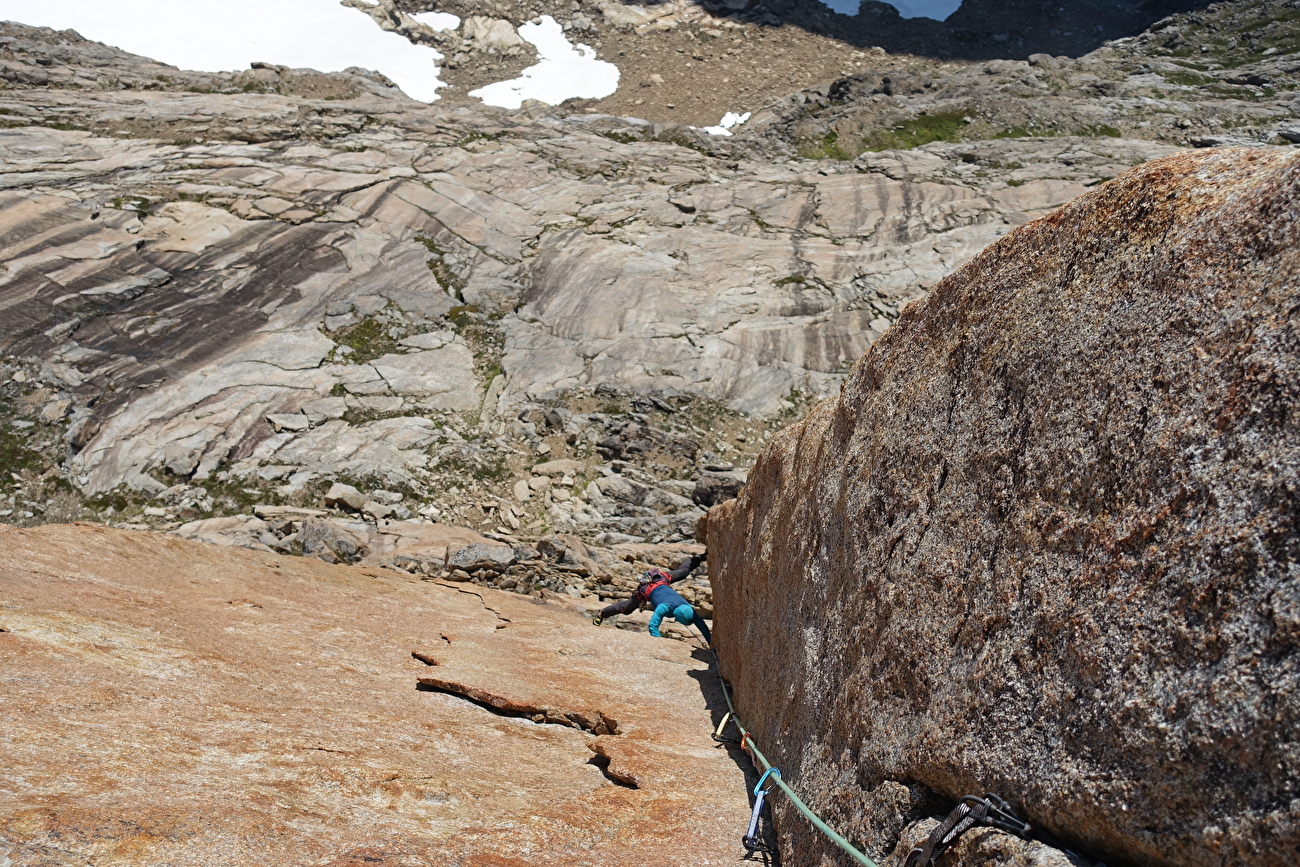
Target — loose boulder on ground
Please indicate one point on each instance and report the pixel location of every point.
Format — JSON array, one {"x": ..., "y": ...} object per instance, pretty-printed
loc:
[
  {"x": 334, "y": 541},
  {"x": 713, "y": 488},
  {"x": 1045, "y": 542},
  {"x": 480, "y": 555}
]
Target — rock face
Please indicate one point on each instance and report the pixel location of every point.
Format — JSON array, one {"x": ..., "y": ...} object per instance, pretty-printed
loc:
[
  {"x": 173, "y": 702},
  {"x": 332, "y": 287},
  {"x": 1044, "y": 543},
  {"x": 227, "y": 289}
]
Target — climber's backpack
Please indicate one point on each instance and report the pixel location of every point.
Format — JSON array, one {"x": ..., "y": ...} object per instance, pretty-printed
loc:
[{"x": 650, "y": 585}]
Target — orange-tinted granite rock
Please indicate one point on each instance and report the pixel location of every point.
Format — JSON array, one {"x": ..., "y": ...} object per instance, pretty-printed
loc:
[
  {"x": 169, "y": 702},
  {"x": 1045, "y": 541}
]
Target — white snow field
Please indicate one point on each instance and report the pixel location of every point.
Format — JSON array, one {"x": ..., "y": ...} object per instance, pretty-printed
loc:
[
  {"x": 939, "y": 10},
  {"x": 230, "y": 34},
  {"x": 729, "y": 121},
  {"x": 438, "y": 20},
  {"x": 565, "y": 72}
]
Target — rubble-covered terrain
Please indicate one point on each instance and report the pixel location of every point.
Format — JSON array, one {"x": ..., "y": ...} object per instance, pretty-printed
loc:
[
  {"x": 689, "y": 61},
  {"x": 1225, "y": 75}
]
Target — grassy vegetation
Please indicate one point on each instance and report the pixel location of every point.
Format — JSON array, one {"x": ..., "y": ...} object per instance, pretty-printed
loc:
[
  {"x": 14, "y": 454},
  {"x": 479, "y": 467},
  {"x": 1187, "y": 79},
  {"x": 131, "y": 203},
  {"x": 944, "y": 126},
  {"x": 829, "y": 148},
  {"x": 369, "y": 339},
  {"x": 484, "y": 339},
  {"x": 448, "y": 279},
  {"x": 116, "y": 500},
  {"x": 236, "y": 496},
  {"x": 476, "y": 136}
]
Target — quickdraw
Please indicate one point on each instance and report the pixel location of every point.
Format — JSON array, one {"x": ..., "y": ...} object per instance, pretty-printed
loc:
[
  {"x": 750, "y": 841},
  {"x": 717, "y": 735}
]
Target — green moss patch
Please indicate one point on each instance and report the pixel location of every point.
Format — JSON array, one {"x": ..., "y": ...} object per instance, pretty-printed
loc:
[
  {"x": 944, "y": 126},
  {"x": 369, "y": 339}
]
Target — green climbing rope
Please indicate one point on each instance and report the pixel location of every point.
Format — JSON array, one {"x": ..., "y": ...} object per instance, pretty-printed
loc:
[{"x": 748, "y": 739}]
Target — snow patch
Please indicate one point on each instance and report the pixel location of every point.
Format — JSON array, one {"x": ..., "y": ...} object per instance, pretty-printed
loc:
[
  {"x": 227, "y": 36},
  {"x": 565, "y": 72},
  {"x": 438, "y": 20},
  {"x": 939, "y": 10},
  {"x": 729, "y": 121}
]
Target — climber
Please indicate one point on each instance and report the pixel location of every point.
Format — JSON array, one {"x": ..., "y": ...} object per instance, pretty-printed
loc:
[{"x": 655, "y": 591}]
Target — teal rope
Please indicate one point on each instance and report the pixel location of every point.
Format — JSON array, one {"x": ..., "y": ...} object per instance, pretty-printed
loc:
[{"x": 789, "y": 792}]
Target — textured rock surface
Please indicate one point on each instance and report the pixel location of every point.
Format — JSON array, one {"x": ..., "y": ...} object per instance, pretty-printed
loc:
[
  {"x": 172, "y": 702},
  {"x": 330, "y": 288},
  {"x": 244, "y": 287},
  {"x": 1044, "y": 543}
]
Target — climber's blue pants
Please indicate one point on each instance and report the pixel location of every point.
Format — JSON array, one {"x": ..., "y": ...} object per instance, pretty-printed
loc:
[{"x": 683, "y": 614}]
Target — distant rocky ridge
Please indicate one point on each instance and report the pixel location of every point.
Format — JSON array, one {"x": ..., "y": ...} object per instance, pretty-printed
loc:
[
  {"x": 1225, "y": 75},
  {"x": 691, "y": 60},
  {"x": 1043, "y": 543},
  {"x": 224, "y": 291},
  {"x": 373, "y": 291}
]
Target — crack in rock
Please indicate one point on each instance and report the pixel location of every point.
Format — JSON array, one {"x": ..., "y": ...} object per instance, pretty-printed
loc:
[
  {"x": 595, "y": 722},
  {"x": 501, "y": 617},
  {"x": 602, "y": 762}
]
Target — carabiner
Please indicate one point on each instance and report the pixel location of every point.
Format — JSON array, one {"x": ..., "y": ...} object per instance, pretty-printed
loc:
[{"x": 758, "y": 789}]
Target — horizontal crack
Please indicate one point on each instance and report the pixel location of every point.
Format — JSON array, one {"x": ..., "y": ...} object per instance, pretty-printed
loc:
[{"x": 596, "y": 722}]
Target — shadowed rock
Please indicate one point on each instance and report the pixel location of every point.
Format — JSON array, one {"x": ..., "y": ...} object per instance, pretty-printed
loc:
[{"x": 1044, "y": 543}]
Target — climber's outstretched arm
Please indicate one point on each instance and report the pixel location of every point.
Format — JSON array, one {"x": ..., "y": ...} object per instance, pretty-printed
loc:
[{"x": 687, "y": 567}]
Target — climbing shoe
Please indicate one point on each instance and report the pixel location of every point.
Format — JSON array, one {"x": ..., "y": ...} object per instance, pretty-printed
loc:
[{"x": 595, "y": 621}]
